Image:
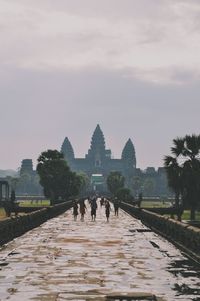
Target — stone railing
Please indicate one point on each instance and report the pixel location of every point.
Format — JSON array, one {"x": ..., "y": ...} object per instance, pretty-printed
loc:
[
  {"x": 184, "y": 236},
  {"x": 14, "y": 227}
]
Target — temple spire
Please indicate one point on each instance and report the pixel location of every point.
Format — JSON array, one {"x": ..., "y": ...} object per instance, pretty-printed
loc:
[
  {"x": 97, "y": 147},
  {"x": 128, "y": 154},
  {"x": 98, "y": 141},
  {"x": 67, "y": 150}
]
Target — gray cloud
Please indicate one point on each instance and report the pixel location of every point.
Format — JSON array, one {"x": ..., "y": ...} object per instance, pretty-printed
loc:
[
  {"x": 132, "y": 66},
  {"x": 41, "y": 108},
  {"x": 146, "y": 35}
]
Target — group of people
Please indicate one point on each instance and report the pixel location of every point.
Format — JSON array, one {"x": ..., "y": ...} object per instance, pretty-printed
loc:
[{"x": 93, "y": 206}]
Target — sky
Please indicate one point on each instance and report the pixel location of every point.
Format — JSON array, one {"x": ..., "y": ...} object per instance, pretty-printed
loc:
[{"x": 65, "y": 66}]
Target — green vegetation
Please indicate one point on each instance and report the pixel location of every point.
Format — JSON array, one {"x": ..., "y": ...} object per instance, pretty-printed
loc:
[
  {"x": 2, "y": 213},
  {"x": 28, "y": 203},
  {"x": 183, "y": 172},
  {"x": 25, "y": 183},
  {"x": 124, "y": 194},
  {"x": 85, "y": 182},
  {"x": 186, "y": 215},
  {"x": 115, "y": 183},
  {"x": 153, "y": 203},
  {"x": 58, "y": 181}
]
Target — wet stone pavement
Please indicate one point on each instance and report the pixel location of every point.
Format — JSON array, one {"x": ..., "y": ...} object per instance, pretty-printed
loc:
[{"x": 67, "y": 260}]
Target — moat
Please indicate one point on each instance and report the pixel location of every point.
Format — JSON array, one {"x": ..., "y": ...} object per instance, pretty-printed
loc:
[{"x": 67, "y": 260}]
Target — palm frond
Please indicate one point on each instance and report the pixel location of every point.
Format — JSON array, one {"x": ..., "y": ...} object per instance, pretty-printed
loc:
[{"x": 179, "y": 145}]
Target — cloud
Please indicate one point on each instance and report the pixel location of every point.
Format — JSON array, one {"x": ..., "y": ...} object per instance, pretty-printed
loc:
[
  {"x": 66, "y": 35},
  {"x": 132, "y": 66},
  {"x": 40, "y": 108}
]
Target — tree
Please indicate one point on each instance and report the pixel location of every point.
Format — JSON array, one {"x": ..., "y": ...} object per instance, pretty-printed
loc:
[
  {"x": 149, "y": 186},
  {"x": 115, "y": 181},
  {"x": 137, "y": 183},
  {"x": 183, "y": 171},
  {"x": 124, "y": 194},
  {"x": 174, "y": 177},
  {"x": 56, "y": 177},
  {"x": 85, "y": 182}
]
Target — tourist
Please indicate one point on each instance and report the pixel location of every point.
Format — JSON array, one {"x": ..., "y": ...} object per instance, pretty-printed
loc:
[
  {"x": 93, "y": 205},
  {"x": 102, "y": 201},
  {"x": 116, "y": 206},
  {"x": 82, "y": 209},
  {"x": 140, "y": 198},
  {"x": 107, "y": 207},
  {"x": 75, "y": 210}
]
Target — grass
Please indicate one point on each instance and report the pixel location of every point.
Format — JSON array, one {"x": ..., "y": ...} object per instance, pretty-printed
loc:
[
  {"x": 186, "y": 215},
  {"x": 165, "y": 204},
  {"x": 158, "y": 204},
  {"x": 28, "y": 203},
  {"x": 2, "y": 213}
]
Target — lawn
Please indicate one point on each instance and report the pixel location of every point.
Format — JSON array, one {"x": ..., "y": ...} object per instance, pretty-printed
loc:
[
  {"x": 2, "y": 213},
  {"x": 155, "y": 203},
  {"x": 186, "y": 215},
  {"x": 28, "y": 203},
  {"x": 164, "y": 204}
]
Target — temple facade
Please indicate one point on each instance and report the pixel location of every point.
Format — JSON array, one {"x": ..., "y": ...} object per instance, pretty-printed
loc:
[
  {"x": 98, "y": 163},
  {"x": 99, "y": 160}
]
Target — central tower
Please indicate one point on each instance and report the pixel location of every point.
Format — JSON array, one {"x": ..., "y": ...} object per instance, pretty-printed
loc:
[{"x": 97, "y": 151}]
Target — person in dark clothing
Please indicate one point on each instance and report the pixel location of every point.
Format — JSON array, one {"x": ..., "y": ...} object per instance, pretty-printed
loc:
[
  {"x": 93, "y": 208},
  {"x": 116, "y": 206},
  {"x": 75, "y": 210},
  {"x": 140, "y": 198},
  {"x": 102, "y": 201},
  {"x": 13, "y": 202},
  {"x": 82, "y": 209},
  {"x": 107, "y": 208}
]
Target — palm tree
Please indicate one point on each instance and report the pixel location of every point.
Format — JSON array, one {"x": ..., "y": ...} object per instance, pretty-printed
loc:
[
  {"x": 174, "y": 176},
  {"x": 183, "y": 170}
]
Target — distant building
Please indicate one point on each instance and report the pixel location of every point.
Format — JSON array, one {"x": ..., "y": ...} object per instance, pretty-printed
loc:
[
  {"x": 29, "y": 180},
  {"x": 27, "y": 167},
  {"x": 99, "y": 160}
]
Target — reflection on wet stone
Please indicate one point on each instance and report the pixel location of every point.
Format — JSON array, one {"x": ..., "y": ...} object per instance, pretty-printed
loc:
[{"x": 67, "y": 260}]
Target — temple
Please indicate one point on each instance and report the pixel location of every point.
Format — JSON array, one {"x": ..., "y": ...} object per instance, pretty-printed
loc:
[
  {"x": 97, "y": 164},
  {"x": 99, "y": 160}
]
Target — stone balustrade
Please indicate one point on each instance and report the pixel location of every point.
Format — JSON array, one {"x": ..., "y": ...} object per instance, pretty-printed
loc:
[
  {"x": 183, "y": 235},
  {"x": 11, "y": 228}
]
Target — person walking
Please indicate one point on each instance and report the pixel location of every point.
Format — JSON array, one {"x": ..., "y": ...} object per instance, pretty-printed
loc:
[
  {"x": 107, "y": 208},
  {"x": 93, "y": 209},
  {"x": 116, "y": 206},
  {"x": 75, "y": 210},
  {"x": 102, "y": 201},
  {"x": 82, "y": 209}
]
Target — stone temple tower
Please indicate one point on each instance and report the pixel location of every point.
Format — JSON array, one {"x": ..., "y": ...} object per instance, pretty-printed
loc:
[
  {"x": 97, "y": 152},
  {"x": 67, "y": 150},
  {"x": 128, "y": 154},
  {"x": 98, "y": 159}
]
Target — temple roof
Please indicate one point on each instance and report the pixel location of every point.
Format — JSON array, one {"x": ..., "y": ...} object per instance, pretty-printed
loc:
[
  {"x": 67, "y": 149},
  {"x": 98, "y": 141},
  {"x": 128, "y": 153}
]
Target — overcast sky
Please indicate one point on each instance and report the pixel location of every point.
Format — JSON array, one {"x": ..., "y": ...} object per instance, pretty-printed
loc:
[{"x": 131, "y": 66}]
